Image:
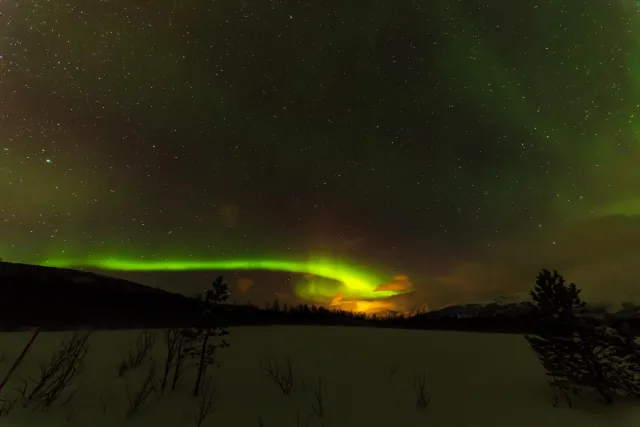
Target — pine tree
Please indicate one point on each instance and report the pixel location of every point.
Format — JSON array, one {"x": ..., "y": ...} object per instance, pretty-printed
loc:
[
  {"x": 207, "y": 337},
  {"x": 554, "y": 299},
  {"x": 579, "y": 353}
]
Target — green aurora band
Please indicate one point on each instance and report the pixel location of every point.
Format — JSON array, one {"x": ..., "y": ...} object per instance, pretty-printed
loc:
[{"x": 353, "y": 282}]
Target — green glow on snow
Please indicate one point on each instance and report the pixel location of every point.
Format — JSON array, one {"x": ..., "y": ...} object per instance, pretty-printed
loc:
[{"x": 354, "y": 282}]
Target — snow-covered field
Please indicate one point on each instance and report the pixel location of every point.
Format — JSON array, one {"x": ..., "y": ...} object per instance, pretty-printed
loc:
[{"x": 367, "y": 376}]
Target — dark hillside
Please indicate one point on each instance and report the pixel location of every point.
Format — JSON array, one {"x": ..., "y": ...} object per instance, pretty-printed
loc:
[{"x": 54, "y": 298}]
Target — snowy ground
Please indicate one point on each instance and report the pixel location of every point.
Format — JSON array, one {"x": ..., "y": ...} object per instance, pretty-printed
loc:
[{"x": 475, "y": 380}]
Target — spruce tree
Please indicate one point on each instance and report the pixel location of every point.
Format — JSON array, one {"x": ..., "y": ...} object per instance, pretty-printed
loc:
[{"x": 579, "y": 353}]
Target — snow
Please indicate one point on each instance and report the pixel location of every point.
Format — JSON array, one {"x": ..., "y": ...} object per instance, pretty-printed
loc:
[{"x": 475, "y": 380}]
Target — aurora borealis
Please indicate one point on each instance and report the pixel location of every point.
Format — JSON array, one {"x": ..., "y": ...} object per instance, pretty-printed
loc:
[
  {"x": 352, "y": 283},
  {"x": 464, "y": 144}
]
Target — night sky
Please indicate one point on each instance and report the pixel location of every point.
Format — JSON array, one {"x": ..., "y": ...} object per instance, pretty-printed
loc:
[{"x": 466, "y": 144}]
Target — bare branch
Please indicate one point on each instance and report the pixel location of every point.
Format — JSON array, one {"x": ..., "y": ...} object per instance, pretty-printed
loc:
[
  {"x": 171, "y": 338},
  {"x": 57, "y": 375},
  {"x": 206, "y": 401},
  {"x": 318, "y": 404},
  {"x": 19, "y": 360},
  {"x": 22, "y": 390},
  {"x": 7, "y": 405},
  {"x": 282, "y": 377},
  {"x": 181, "y": 357},
  {"x": 140, "y": 397},
  {"x": 104, "y": 402},
  {"x": 423, "y": 398}
]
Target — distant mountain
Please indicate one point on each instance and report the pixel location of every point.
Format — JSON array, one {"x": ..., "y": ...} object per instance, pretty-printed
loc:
[
  {"x": 490, "y": 309},
  {"x": 507, "y": 307},
  {"x": 57, "y": 298}
]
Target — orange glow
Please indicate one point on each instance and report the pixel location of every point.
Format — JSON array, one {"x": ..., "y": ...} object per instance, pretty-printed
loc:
[
  {"x": 373, "y": 306},
  {"x": 244, "y": 284},
  {"x": 361, "y": 306},
  {"x": 337, "y": 300},
  {"x": 400, "y": 282}
]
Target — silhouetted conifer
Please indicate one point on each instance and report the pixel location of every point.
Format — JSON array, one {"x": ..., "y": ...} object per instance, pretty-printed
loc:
[
  {"x": 579, "y": 353},
  {"x": 209, "y": 335}
]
